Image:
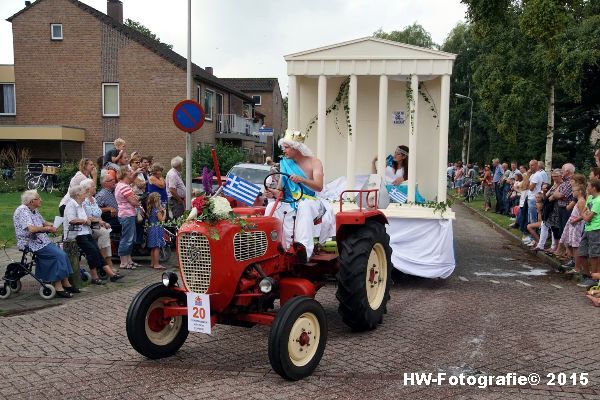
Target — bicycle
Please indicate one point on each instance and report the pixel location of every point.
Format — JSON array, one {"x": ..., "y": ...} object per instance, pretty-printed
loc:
[{"x": 43, "y": 181}]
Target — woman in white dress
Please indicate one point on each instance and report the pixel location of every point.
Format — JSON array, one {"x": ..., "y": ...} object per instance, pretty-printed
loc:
[{"x": 396, "y": 173}]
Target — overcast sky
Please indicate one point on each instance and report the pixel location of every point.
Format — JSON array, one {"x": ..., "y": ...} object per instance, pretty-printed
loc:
[{"x": 249, "y": 38}]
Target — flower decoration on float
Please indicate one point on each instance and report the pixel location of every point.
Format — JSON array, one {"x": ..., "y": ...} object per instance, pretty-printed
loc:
[{"x": 210, "y": 209}]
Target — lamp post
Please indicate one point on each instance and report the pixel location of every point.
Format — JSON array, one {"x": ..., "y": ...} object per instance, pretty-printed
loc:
[{"x": 462, "y": 96}]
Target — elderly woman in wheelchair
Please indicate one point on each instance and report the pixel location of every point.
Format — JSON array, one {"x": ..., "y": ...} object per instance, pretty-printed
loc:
[{"x": 52, "y": 264}]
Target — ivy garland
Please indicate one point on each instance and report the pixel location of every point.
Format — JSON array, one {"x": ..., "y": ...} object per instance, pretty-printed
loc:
[
  {"x": 340, "y": 103},
  {"x": 426, "y": 96},
  {"x": 410, "y": 100},
  {"x": 429, "y": 100}
]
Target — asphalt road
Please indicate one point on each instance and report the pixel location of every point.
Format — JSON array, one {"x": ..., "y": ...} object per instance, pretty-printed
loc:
[{"x": 502, "y": 311}]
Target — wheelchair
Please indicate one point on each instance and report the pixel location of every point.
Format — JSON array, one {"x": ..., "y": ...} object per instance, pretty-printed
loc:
[{"x": 17, "y": 270}]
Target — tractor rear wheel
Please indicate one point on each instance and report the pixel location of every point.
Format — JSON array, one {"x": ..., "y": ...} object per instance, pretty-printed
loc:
[
  {"x": 297, "y": 338},
  {"x": 149, "y": 332},
  {"x": 364, "y": 276}
]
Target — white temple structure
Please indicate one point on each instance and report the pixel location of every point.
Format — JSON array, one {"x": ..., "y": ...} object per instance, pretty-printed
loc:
[{"x": 398, "y": 94}]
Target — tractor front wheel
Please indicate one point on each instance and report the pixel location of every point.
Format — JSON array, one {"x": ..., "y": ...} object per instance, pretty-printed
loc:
[
  {"x": 297, "y": 338},
  {"x": 364, "y": 276},
  {"x": 149, "y": 332}
]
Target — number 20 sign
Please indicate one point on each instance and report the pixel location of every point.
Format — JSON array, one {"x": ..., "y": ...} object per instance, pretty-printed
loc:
[{"x": 198, "y": 306}]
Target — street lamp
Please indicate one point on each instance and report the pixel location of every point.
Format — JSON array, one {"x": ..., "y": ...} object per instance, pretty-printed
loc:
[{"x": 462, "y": 96}]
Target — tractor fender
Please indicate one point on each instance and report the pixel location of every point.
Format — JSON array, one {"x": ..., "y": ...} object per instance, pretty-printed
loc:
[
  {"x": 293, "y": 287},
  {"x": 348, "y": 222}
]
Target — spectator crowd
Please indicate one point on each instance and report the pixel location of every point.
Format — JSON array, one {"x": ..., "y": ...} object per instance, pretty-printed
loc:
[
  {"x": 558, "y": 214},
  {"x": 125, "y": 214}
]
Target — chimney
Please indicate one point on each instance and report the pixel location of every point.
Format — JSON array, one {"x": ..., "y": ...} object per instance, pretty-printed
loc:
[
  {"x": 27, "y": 3},
  {"x": 209, "y": 70},
  {"x": 114, "y": 9}
]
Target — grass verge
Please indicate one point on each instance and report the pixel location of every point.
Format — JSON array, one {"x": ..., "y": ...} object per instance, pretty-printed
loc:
[{"x": 10, "y": 201}]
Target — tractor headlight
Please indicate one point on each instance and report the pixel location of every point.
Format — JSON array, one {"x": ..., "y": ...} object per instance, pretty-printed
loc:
[
  {"x": 169, "y": 279},
  {"x": 267, "y": 284}
]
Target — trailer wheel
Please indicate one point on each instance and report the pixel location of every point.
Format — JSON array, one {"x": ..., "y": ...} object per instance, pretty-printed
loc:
[
  {"x": 149, "y": 332},
  {"x": 297, "y": 338},
  {"x": 364, "y": 276}
]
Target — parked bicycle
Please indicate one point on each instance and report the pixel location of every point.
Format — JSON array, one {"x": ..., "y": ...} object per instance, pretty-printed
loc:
[{"x": 44, "y": 180}]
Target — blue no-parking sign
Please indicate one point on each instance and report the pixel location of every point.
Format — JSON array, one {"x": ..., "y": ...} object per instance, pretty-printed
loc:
[{"x": 188, "y": 115}]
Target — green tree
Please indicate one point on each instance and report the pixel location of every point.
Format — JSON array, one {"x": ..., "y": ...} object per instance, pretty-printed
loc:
[
  {"x": 413, "y": 34},
  {"x": 533, "y": 48},
  {"x": 227, "y": 156},
  {"x": 145, "y": 31}
]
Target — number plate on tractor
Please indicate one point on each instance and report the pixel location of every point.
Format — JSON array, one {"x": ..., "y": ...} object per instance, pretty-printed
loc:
[{"x": 198, "y": 313}]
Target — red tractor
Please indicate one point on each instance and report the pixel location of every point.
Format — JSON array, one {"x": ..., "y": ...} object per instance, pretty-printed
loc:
[{"x": 246, "y": 270}]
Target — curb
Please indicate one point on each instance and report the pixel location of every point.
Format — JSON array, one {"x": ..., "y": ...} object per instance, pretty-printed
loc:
[{"x": 541, "y": 255}]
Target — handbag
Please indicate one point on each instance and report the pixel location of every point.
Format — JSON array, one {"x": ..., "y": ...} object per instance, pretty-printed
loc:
[{"x": 139, "y": 214}]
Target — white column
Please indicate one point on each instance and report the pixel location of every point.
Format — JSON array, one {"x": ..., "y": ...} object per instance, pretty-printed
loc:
[
  {"x": 443, "y": 138},
  {"x": 293, "y": 102},
  {"x": 321, "y": 122},
  {"x": 351, "y": 158},
  {"x": 412, "y": 137},
  {"x": 382, "y": 124}
]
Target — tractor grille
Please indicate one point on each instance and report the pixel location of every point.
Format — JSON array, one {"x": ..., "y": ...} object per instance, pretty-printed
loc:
[
  {"x": 247, "y": 245},
  {"x": 194, "y": 257}
]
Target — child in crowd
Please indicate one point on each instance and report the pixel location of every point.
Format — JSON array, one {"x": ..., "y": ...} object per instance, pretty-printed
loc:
[
  {"x": 572, "y": 233},
  {"x": 588, "y": 257},
  {"x": 112, "y": 157},
  {"x": 156, "y": 233},
  {"x": 533, "y": 227}
]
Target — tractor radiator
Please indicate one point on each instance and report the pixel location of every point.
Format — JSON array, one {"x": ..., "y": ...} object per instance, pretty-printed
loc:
[
  {"x": 247, "y": 245},
  {"x": 194, "y": 258}
]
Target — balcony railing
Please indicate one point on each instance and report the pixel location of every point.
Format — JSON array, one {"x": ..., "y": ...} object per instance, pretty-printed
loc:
[{"x": 232, "y": 126}]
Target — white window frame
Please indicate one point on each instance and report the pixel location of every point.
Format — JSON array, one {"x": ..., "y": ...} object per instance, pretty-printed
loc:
[
  {"x": 14, "y": 99},
  {"x": 106, "y": 146},
  {"x": 52, "y": 37},
  {"x": 198, "y": 93},
  {"x": 259, "y": 99},
  {"x": 104, "y": 114},
  {"x": 209, "y": 112}
]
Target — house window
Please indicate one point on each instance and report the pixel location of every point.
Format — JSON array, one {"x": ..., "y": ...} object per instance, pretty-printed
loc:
[
  {"x": 208, "y": 104},
  {"x": 106, "y": 146},
  {"x": 256, "y": 100},
  {"x": 56, "y": 32},
  {"x": 198, "y": 94},
  {"x": 7, "y": 99},
  {"x": 110, "y": 99}
]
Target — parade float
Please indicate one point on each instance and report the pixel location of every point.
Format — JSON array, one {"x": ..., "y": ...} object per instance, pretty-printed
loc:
[{"x": 363, "y": 98}]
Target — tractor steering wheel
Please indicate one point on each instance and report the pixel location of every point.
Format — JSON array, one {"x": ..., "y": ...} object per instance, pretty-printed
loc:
[{"x": 293, "y": 200}]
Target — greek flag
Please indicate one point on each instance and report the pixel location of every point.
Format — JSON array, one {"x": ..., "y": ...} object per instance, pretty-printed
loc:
[
  {"x": 241, "y": 190},
  {"x": 397, "y": 196}
]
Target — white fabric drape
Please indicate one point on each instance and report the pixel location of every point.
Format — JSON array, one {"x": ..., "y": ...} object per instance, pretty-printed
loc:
[{"x": 422, "y": 247}]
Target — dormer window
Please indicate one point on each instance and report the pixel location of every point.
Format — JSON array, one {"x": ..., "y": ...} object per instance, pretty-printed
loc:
[{"x": 56, "y": 32}]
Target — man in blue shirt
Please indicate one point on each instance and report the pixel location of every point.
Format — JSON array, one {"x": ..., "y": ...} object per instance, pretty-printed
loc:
[{"x": 498, "y": 173}]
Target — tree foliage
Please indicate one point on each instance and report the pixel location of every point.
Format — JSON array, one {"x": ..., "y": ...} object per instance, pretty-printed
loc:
[
  {"x": 145, "y": 31},
  {"x": 413, "y": 34},
  {"x": 227, "y": 156},
  {"x": 518, "y": 52}
]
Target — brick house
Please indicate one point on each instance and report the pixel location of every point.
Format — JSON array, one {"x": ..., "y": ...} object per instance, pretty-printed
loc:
[
  {"x": 85, "y": 75},
  {"x": 266, "y": 94}
]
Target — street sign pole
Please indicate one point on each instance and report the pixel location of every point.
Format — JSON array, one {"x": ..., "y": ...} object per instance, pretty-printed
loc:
[{"x": 188, "y": 140}]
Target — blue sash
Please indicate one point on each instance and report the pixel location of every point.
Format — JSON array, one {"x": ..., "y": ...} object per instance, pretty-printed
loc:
[{"x": 291, "y": 188}]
